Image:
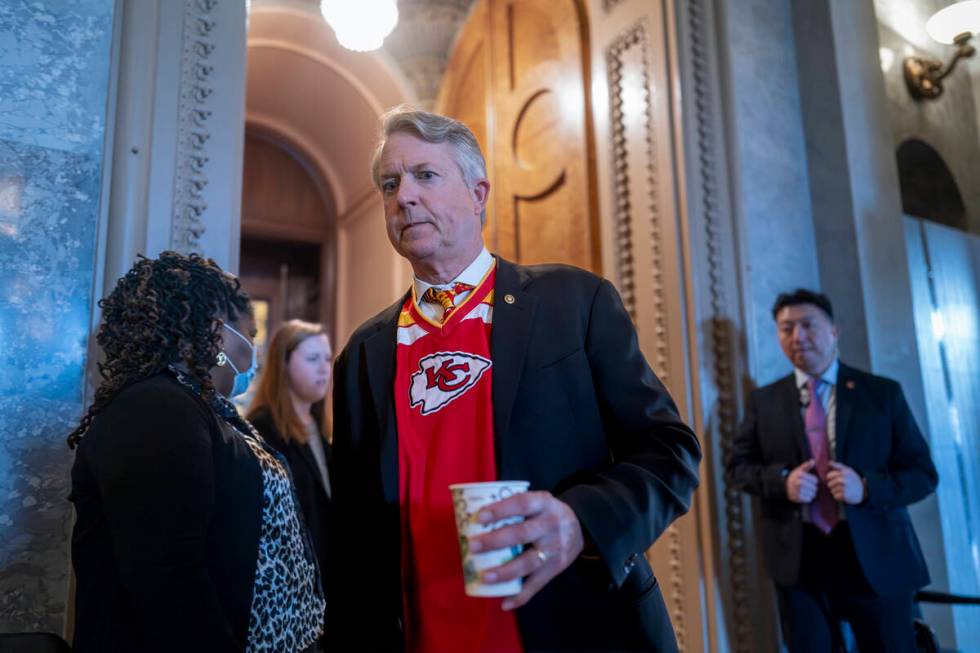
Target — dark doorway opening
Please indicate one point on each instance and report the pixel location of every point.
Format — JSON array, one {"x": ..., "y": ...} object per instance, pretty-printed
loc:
[
  {"x": 288, "y": 247},
  {"x": 283, "y": 280},
  {"x": 929, "y": 190}
]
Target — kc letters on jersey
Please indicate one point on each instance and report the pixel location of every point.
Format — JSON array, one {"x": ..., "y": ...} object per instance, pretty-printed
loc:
[{"x": 443, "y": 377}]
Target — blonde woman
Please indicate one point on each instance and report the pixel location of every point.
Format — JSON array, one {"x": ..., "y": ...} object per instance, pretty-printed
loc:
[{"x": 288, "y": 410}]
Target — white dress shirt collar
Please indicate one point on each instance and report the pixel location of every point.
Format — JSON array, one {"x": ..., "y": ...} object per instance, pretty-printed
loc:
[
  {"x": 472, "y": 275},
  {"x": 829, "y": 375}
]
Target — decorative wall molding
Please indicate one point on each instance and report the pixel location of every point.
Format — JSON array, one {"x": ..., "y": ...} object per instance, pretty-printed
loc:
[
  {"x": 720, "y": 336},
  {"x": 638, "y": 37},
  {"x": 622, "y": 216},
  {"x": 190, "y": 177}
]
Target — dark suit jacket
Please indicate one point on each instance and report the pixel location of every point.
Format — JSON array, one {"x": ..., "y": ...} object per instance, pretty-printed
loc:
[
  {"x": 313, "y": 498},
  {"x": 578, "y": 412},
  {"x": 169, "y": 514},
  {"x": 876, "y": 436}
]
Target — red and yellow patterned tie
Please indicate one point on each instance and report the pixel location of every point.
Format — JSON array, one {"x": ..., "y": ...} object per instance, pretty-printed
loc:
[{"x": 446, "y": 298}]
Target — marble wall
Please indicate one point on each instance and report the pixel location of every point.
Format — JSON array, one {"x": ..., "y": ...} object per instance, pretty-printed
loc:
[
  {"x": 950, "y": 123},
  {"x": 830, "y": 176},
  {"x": 54, "y": 86},
  {"x": 816, "y": 196},
  {"x": 774, "y": 245},
  {"x": 771, "y": 193}
]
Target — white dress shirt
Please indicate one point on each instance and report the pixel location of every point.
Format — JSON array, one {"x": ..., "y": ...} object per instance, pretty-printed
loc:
[
  {"x": 472, "y": 275},
  {"x": 315, "y": 442}
]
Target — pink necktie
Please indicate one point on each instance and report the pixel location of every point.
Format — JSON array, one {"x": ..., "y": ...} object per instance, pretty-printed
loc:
[{"x": 823, "y": 510}]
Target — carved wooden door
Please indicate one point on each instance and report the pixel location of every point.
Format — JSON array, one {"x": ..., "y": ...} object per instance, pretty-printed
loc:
[{"x": 519, "y": 78}]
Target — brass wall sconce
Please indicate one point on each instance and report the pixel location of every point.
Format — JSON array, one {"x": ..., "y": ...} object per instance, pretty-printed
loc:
[{"x": 953, "y": 25}]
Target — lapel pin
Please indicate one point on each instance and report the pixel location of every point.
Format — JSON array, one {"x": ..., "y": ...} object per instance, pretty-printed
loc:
[
  {"x": 509, "y": 298},
  {"x": 849, "y": 384}
]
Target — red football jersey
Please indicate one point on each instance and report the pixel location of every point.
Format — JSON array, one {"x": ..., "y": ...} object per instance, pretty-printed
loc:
[{"x": 444, "y": 409}]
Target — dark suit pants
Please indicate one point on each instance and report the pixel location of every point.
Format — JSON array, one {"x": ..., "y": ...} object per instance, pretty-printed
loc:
[{"x": 832, "y": 588}]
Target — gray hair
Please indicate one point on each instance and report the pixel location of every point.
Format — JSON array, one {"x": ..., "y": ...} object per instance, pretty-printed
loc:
[{"x": 433, "y": 128}]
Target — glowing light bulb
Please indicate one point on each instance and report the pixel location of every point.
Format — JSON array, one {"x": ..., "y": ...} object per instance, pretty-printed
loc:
[
  {"x": 363, "y": 25},
  {"x": 948, "y": 23}
]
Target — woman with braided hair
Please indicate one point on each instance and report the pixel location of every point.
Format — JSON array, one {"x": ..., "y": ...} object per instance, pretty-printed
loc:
[{"x": 188, "y": 534}]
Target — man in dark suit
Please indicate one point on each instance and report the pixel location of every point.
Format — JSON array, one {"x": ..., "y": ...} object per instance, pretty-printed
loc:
[
  {"x": 834, "y": 456},
  {"x": 568, "y": 404}
]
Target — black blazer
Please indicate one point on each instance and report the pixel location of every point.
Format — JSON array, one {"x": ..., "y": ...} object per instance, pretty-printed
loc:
[
  {"x": 876, "y": 436},
  {"x": 578, "y": 412},
  {"x": 313, "y": 498},
  {"x": 169, "y": 513}
]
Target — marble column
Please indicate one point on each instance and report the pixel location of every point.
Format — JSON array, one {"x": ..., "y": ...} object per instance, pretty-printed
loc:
[
  {"x": 830, "y": 177},
  {"x": 771, "y": 194},
  {"x": 55, "y": 60},
  {"x": 179, "y": 132}
]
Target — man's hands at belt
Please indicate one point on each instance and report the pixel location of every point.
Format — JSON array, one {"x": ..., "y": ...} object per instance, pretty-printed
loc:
[
  {"x": 801, "y": 483},
  {"x": 844, "y": 483},
  {"x": 550, "y": 530}
]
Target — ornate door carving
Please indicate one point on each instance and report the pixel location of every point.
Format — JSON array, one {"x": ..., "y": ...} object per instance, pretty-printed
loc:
[{"x": 519, "y": 77}]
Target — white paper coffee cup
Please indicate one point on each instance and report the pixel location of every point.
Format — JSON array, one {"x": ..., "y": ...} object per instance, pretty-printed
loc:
[{"x": 468, "y": 500}]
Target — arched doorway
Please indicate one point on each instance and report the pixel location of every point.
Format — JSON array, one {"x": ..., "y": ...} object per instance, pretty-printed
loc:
[
  {"x": 288, "y": 246},
  {"x": 928, "y": 188},
  {"x": 312, "y": 109}
]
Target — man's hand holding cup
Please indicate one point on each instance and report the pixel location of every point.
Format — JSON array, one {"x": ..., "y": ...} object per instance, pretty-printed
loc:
[{"x": 549, "y": 531}]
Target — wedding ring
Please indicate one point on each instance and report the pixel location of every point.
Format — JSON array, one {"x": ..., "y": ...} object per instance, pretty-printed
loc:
[{"x": 542, "y": 556}]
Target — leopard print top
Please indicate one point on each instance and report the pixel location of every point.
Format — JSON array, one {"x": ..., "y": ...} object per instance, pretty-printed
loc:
[{"x": 287, "y": 599}]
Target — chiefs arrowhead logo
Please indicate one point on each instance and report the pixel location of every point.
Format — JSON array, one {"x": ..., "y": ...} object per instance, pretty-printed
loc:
[{"x": 444, "y": 377}]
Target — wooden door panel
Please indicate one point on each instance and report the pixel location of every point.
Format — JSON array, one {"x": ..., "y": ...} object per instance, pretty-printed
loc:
[
  {"x": 544, "y": 204},
  {"x": 539, "y": 121},
  {"x": 532, "y": 37},
  {"x": 473, "y": 95},
  {"x": 540, "y": 234},
  {"x": 466, "y": 92},
  {"x": 538, "y": 137}
]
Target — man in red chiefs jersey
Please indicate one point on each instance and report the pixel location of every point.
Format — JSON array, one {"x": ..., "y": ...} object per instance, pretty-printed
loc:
[{"x": 486, "y": 370}]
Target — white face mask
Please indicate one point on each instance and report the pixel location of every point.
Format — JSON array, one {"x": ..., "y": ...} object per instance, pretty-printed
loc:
[{"x": 242, "y": 379}]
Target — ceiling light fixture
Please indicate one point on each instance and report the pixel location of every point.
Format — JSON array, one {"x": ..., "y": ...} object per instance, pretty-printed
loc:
[{"x": 363, "y": 25}]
